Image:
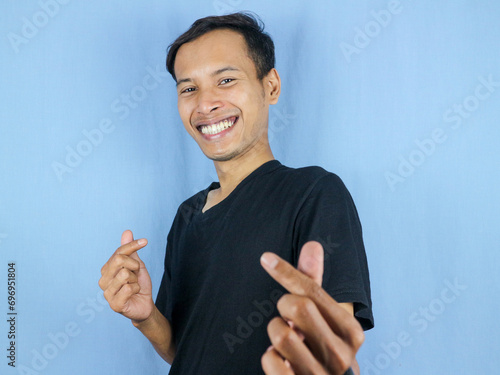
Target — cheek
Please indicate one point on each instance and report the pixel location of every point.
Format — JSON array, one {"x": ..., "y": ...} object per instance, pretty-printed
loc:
[{"x": 184, "y": 113}]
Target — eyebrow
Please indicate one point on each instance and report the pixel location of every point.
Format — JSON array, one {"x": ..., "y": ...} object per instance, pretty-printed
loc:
[
  {"x": 225, "y": 69},
  {"x": 216, "y": 73}
]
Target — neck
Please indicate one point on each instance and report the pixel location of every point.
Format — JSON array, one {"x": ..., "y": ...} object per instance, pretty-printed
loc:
[{"x": 232, "y": 172}]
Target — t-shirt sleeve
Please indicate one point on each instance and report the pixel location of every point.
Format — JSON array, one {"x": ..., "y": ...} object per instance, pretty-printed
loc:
[
  {"x": 328, "y": 215},
  {"x": 163, "y": 303}
]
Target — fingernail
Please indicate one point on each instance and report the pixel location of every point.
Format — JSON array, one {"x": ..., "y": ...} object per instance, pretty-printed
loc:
[
  {"x": 142, "y": 241},
  {"x": 269, "y": 260},
  {"x": 270, "y": 348}
]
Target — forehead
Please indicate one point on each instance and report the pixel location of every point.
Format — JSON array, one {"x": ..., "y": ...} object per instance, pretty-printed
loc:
[{"x": 211, "y": 51}]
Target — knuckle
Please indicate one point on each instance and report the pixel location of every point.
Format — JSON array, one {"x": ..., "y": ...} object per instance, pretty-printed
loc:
[
  {"x": 265, "y": 362},
  {"x": 339, "y": 357},
  {"x": 283, "y": 338},
  {"x": 118, "y": 260},
  {"x": 357, "y": 337},
  {"x": 314, "y": 291},
  {"x": 297, "y": 307},
  {"x": 132, "y": 277},
  {"x": 343, "y": 365},
  {"x": 274, "y": 324},
  {"x": 123, "y": 274},
  {"x": 317, "y": 369},
  {"x": 265, "y": 357},
  {"x": 136, "y": 265},
  {"x": 297, "y": 285},
  {"x": 284, "y": 301},
  {"x": 128, "y": 288},
  {"x": 337, "y": 361},
  {"x": 303, "y": 308},
  {"x": 121, "y": 248},
  {"x": 133, "y": 288},
  {"x": 115, "y": 307},
  {"x": 106, "y": 295}
]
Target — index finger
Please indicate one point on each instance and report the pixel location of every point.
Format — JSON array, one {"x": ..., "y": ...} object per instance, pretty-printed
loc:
[
  {"x": 292, "y": 279},
  {"x": 131, "y": 247},
  {"x": 296, "y": 282}
]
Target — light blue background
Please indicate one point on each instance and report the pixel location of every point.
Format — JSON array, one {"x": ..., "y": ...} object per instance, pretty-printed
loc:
[{"x": 357, "y": 114}]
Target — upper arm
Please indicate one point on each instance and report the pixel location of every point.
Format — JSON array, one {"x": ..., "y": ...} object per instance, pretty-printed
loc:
[{"x": 348, "y": 306}]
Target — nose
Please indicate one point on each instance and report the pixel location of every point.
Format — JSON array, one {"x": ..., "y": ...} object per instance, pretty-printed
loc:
[{"x": 208, "y": 102}]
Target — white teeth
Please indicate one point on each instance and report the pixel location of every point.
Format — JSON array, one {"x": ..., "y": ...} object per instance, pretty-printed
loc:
[{"x": 216, "y": 128}]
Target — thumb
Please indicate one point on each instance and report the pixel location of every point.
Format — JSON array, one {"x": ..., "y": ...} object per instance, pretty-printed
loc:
[
  {"x": 311, "y": 261},
  {"x": 127, "y": 237}
]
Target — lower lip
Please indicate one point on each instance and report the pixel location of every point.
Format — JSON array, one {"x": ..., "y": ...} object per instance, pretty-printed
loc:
[{"x": 211, "y": 137}]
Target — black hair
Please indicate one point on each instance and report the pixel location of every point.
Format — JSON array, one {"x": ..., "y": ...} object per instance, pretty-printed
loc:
[{"x": 250, "y": 26}]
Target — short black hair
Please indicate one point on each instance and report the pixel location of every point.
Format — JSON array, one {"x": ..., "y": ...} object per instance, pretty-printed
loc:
[{"x": 249, "y": 25}]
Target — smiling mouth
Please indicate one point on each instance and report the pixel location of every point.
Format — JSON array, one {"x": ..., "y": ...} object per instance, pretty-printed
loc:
[{"x": 218, "y": 127}]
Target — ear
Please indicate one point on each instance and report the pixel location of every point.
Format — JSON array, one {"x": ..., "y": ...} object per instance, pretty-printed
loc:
[{"x": 272, "y": 85}]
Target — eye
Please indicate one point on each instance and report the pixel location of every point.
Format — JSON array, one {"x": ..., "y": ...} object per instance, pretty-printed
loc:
[
  {"x": 187, "y": 90},
  {"x": 226, "y": 80}
]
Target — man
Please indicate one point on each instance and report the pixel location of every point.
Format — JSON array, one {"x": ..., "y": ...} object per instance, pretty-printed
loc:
[{"x": 230, "y": 288}]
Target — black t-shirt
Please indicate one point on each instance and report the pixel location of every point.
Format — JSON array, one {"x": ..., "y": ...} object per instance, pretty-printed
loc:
[{"x": 214, "y": 291}]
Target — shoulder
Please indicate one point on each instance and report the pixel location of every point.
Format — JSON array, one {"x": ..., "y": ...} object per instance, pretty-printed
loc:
[{"x": 312, "y": 178}]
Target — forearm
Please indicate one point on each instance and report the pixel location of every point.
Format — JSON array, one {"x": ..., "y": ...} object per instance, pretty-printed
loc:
[
  {"x": 158, "y": 331},
  {"x": 355, "y": 368}
]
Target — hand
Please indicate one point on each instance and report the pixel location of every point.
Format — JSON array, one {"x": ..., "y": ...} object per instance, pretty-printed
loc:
[
  {"x": 126, "y": 282},
  {"x": 328, "y": 336}
]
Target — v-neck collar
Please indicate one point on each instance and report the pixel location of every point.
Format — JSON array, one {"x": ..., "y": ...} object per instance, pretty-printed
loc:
[{"x": 263, "y": 169}]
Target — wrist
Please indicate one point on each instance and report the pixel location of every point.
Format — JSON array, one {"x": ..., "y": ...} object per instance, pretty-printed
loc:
[{"x": 142, "y": 323}]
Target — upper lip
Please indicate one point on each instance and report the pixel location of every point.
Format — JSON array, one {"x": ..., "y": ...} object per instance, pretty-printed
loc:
[{"x": 215, "y": 120}]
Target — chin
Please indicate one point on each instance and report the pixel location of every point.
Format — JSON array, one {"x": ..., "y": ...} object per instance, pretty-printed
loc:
[
  {"x": 226, "y": 156},
  {"x": 221, "y": 157}
]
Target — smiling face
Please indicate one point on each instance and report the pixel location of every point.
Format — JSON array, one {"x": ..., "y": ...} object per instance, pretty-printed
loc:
[{"x": 222, "y": 103}]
